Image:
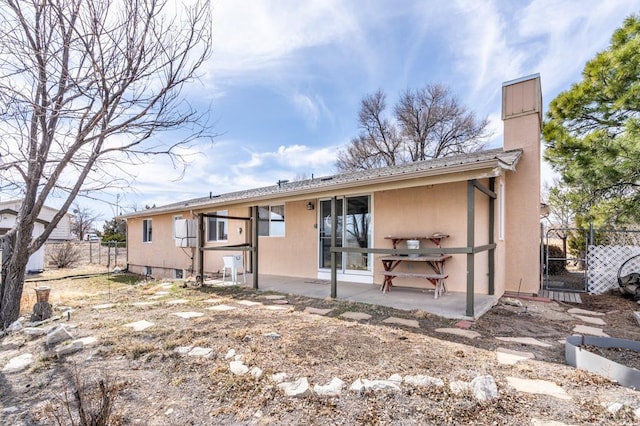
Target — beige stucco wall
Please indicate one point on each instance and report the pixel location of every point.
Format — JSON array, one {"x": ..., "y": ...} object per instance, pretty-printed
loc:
[
  {"x": 424, "y": 210},
  {"x": 522, "y": 114}
]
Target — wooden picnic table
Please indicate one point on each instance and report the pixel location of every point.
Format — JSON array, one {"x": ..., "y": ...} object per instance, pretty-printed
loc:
[
  {"x": 435, "y": 262},
  {"x": 435, "y": 238}
]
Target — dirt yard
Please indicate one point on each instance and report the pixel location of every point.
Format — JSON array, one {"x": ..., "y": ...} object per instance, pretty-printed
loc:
[{"x": 154, "y": 382}]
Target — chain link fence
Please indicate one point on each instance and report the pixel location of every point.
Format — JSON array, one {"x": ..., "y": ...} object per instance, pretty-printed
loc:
[{"x": 109, "y": 254}]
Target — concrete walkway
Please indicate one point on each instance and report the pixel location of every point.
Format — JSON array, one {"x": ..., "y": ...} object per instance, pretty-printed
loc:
[{"x": 449, "y": 305}]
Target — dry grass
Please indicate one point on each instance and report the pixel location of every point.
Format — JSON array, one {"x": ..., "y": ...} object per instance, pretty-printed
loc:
[{"x": 164, "y": 387}]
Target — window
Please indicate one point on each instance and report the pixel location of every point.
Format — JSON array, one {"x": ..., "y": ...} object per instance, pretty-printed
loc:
[
  {"x": 217, "y": 228},
  {"x": 178, "y": 274},
  {"x": 271, "y": 221},
  {"x": 146, "y": 230},
  {"x": 148, "y": 271},
  {"x": 174, "y": 224}
]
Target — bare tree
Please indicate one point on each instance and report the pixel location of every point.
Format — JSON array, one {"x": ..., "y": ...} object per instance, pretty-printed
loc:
[
  {"x": 378, "y": 144},
  {"x": 84, "y": 88},
  {"x": 83, "y": 221},
  {"x": 429, "y": 123}
]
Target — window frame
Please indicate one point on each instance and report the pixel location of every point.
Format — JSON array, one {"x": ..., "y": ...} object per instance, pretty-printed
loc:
[
  {"x": 147, "y": 230},
  {"x": 217, "y": 221},
  {"x": 270, "y": 222}
]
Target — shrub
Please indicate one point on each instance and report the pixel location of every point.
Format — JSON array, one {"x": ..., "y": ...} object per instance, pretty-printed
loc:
[
  {"x": 556, "y": 267},
  {"x": 64, "y": 255}
]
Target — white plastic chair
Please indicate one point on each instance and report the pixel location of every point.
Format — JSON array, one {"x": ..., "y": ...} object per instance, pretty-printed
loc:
[{"x": 233, "y": 262}]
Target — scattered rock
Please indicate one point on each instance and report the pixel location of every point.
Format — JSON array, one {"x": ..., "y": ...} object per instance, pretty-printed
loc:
[
  {"x": 10, "y": 410},
  {"x": 280, "y": 302},
  {"x": 69, "y": 349},
  {"x": 279, "y": 377},
  {"x": 15, "y": 326},
  {"x": 296, "y": 389},
  {"x": 355, "y": 316},
  {"x": 272, "y": 335},
  {"x": 230, "y": 354},
  {"x": 18, "y": 363},
  {"x": 238, "y": 368},
  {"x": 58, "y": 334},
  {"x": 275, "y": 297},
  {"x": 424, "y": 381},
  {"x": 459, "y": 332},
  {"x": 484, "y": 388},
  {"x": 34, "y": 331},
  {"x": 256, "y": 372},
  {"x": 357, "y": 386},
  {"x": 614, "y": 407},
  {"x": 201, "y": 352},
  {"x": 396, "y": 378},
  {"x": 512, "y": 302},
  {"x": 183, "y": 350},
  {"x": 374, "y": 385},
  {"x": 636, "y": 315},
  {"x": 333, "y": 388},
  {"x": 402, "y": 321}
]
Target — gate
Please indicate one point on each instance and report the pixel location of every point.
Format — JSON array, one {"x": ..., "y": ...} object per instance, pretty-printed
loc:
[
  {"x": 595, "y": 268},
  {"x": 560, "y": 271}
]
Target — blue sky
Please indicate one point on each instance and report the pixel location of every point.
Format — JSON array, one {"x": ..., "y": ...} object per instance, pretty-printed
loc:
[{"x": 286, "y": 77}]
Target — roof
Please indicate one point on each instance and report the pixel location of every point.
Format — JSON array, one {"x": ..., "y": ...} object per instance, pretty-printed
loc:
[{"x": 496, "y": 159}]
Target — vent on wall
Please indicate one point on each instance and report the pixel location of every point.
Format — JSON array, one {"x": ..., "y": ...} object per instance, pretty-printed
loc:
[{"x": 185, "y": 232}]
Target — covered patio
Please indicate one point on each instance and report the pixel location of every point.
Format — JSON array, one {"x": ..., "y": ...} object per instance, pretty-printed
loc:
[{"x": 450, "y": 305}]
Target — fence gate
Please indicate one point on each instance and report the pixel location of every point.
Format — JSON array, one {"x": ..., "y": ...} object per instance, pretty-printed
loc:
[{"x": 562, "y": 271}]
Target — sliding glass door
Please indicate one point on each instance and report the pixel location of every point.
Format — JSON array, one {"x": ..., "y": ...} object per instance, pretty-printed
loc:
[{"x": 353, "y": 229}]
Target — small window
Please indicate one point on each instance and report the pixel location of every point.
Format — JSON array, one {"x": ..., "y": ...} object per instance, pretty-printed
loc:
[
  {"x": 217, "y": 227},
  {"x": 271, "y": 221},
  {"x": 148, "y": 271},
  {"x": 147, "y": 230},
  {"x": 174, "y": 224},
  {"x": 178, "y": 273}
]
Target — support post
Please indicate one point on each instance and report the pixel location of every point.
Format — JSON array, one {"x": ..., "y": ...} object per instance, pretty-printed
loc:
[
  {"x": 200, "y": 243},
  {"x": 471, "y": 204},
  {"x": 333, "y": 254},
  {"x": 254, "y": 244},
  {"x": 492, "y": 251}
]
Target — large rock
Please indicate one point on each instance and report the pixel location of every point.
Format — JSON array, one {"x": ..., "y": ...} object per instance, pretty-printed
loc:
[
  {"x": 58, "y": 334},
  {"x": 238, "y": 368},
  {"x": 484, "y": 388},
  {"x": 296, "y": 389},
  {"x": 423, "y": 381},
  {"x": 69, "y": 349},
  {"x": 18, "y": 363},
  {"x": 333, "y": 388}
]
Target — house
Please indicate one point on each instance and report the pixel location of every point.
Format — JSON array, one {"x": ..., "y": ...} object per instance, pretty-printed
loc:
[
  {"x": 62, "y": 232},
  {"x": 487, "y": 203}
]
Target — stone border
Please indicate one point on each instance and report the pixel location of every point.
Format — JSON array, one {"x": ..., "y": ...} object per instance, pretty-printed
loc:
[{"x": 580, "y": 358}]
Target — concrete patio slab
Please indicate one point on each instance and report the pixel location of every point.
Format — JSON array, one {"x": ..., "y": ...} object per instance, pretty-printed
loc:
[
  {"x": 188, "y": 315},
  {"x": 449, "y": 305},
  {"x": 356, "y": 316},
  {"x": 317, "y": 311},
  {"x": 590, "y": 320},
  {"x": 525, "y": 341},
  {"x": 593, "y": 331},
  {"x": 459, "y": 332},
  {"x": 543, "y": 387},
  {"x": 584, "y": 312},
  {"x": 140, "y": 325}
]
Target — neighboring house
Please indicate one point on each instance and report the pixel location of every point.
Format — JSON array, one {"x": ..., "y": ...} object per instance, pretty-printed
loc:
[
  {"x": 496, "y": 243},
  {"x": 62, "y": 232}
]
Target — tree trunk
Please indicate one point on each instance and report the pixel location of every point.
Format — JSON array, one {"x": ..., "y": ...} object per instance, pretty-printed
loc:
[{"x": 14, "y": 267}]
